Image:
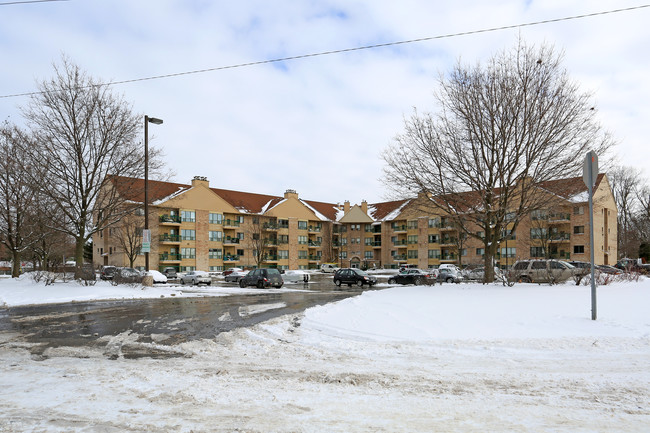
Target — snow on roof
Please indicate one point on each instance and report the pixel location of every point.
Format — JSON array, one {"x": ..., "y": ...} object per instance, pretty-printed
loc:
[
  {"x": 170, "y": 196},
  {"x": 319, "y": 215}
]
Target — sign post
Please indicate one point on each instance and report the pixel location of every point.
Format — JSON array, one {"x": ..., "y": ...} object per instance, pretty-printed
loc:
[{"x": 589, "y": 173}]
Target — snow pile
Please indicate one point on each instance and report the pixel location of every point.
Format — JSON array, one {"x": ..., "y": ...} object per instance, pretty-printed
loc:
[{"x": 453, "y": 358}]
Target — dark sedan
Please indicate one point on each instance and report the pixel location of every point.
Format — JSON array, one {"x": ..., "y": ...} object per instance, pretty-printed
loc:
[
  {"x": 352, "y": 276},
  {"x": 412, "y": 276},
  {"x": 263, "y": 277}
]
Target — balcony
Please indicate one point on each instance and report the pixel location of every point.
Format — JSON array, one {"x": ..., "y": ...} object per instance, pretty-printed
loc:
[
  {"x": 399, "y": 257},
  {"x": 313, "y": 258},
  {"x": 231, "y": 241},
  {"x": 169, "y": 239},
  {"x": 270, "y": 227},
  {"x": 448, "y": 241},
  {"x": 316, "y": 229},
  {"x": 228, "y": 223},
  {"x": 559, "y": 217},
  {"x": 399, "y": 228},
  {"x": 314, "y": 244},
  {"x": 448, "y": 257},
  {"x": 271, "y": 242},
  {"x": 231, "y": 258},
  {"x": 169, "y": 257},
  {"x": 169, "y": 219},
  {"x": 373, "y": 229},
  {"x": 559, "y": 237},
  {"x": 270, "y": 258}
]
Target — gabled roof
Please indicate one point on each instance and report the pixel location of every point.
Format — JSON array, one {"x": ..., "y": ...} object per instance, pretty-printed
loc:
[
  {"x": 380, "y": 211},
  {"x": 132, "y": 189},
  {"x": 570, "y": 188}
]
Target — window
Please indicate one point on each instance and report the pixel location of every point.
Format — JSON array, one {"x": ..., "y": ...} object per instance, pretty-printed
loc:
[
  {"x": 538, "y": 215},
  {"x": 508, "y": 252},
  {"x": 215, "y": 218},
  {"x": 480, "y": 251},
  {"x": 368, "y": 255},
  {"x": 240, "y": 236},
  {"x": 412, "y": 254},
  {"x": 302, "y": 225},
  {"x": 578, "y": 210},
  {"x": 578, "y": 230},
  {"x": 508, "y": 234},
  {"x": 215, "y": 253},
  {"x": 537, "y": 233},
  {"x": 369, "y": 241},
  {"x": 215, "y": 268},
  {"x": 240, "y": 252},
  {"x": 412, "y": 239},
  {"x": 139, "y": 212},
  {"x": 188, "y": 268},
  {"x": 302, "y": 240},
  {"x": 578, "y": 249},
  {"x": 188, "y": 235},
  {"x": 434, "y": 254},
  {"x": 302, "y": 255},
  {"x": 412, "y": 225},
  {"x": 283, "y": 239},
  {"x": 355, "y": 227},
  {"x": 215, "y": 236},
  {"x": 537, "y": 252},
  {"x": 344, "y": 254},
  {"x": 434, "y": 239},
  {"x": 463, "y": 252},
  {"x": 283, "y": 254},
  {"x": 283, "y": 224},
  {"x": 434, "y": 223},
  {"x": 481, "y": 234},
  {"x": 240, "y": 219},
  {"x": 188, "y": 216},
  {"x": 188, "y": 253},
  {"x": 538, "y": 265}
]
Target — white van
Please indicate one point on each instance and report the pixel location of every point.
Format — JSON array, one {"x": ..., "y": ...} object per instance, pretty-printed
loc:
[{"x": 328, "y": 267}]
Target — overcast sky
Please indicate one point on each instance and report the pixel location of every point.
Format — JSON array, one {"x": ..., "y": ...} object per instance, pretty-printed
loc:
[{"x": 319, "y": 124}]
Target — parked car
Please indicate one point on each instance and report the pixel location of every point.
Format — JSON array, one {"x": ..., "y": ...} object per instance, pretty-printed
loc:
[
  {"x": 262, "y": 277},
  {"x": 196, "y": 278},
  {"x": 448, "y": 275},
  {"x": 235, "y": 276},
  {"x": 170, "y": 272},
  {"x": 158, "y": 277},
  {"x": 127, "y": 276},
  {"x": 107, "y": 272},
  {"x": 231, "y": 270},
  {"x": 478, "y": 274},
  {"x": 295, "y": 276},
  {"x": 582, "y": 268},
  {"x": 352, "y": 276},
  {"x": 607, "y": 269},
  {"x": 328, "y": 267},
  {"x": 543, "y": 271},
  {"x": 412, "y": 276}
]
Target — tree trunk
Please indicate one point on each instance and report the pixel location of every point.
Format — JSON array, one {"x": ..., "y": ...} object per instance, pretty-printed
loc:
[{"x": 15, "y": 267}]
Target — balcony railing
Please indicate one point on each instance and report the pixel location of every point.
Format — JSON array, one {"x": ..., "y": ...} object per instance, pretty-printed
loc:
[
  {"x": 231, "y": 258},
  {"x": 270, "y": 226},
  {"x": 230, "y": 223},
  {"x": 231, "y": 241},
  {"x": 169, "y": 257},
  {"x": 559, "y": 237},
  {"x": 399, "y": 257},
  {"x": 174, "y": 219},
  {"x": 270, "y": 258},
  {"x": 316, "y": 229},
  {"x": 169, "y": 238},
  {"x": 559, "y": 217},
  {"x": 314, "y": 244},
  {"x": 399, "y": 228}
]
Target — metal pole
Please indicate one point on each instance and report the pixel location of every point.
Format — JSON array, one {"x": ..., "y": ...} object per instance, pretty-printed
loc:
[
  {"x": 146, "y": 185},
  {"x": 591, "y": 241}
]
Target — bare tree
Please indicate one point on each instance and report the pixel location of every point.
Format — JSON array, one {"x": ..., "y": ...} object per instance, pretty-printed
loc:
[
  {"x": 128, "y": 233},
  {"x": 501, "y": 129},
  {"x": 17, "y": 197},
  {"x": 626, "y": 185},
  {"x": 84, "y": 134}
]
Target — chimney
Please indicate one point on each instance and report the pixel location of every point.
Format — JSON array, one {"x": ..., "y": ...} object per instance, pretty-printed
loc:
[
  {"x": 364, "y": 206},
  {"x": 291, "y": 193},
  {"x": 200, "y": 180},
  {"x": 346, "y": 206}
]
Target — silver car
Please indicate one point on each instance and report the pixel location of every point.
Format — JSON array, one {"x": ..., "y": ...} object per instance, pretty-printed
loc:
[
  {"x": 196, "y": 278},
  {"x": 542, "y": 271}
]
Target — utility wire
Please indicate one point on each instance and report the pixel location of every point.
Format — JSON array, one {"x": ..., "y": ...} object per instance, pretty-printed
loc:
[
  {"x": 30, "y": 1},
  {"x": 347, "y": 50}
]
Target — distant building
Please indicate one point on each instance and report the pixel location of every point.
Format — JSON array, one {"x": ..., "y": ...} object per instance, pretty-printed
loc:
[{"x": 199, "y": 227}]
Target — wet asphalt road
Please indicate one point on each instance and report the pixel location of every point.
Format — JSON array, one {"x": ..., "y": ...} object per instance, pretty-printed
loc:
[{"x": 166, "y": 321}]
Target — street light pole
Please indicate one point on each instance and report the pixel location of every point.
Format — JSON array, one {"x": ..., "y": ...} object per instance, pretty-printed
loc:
[{"x": 146, "y": 233}]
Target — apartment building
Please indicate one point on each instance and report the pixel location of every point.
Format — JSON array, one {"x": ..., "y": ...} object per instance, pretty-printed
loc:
[{"x": 199, "y": 227}]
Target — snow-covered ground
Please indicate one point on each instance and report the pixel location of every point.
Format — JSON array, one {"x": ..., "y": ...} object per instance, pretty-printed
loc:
[{"x": 457, "y": 358}]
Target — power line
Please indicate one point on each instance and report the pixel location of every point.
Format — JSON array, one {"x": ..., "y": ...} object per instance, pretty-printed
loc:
[
  {"x": 348, "y": 50},
  {"x": 30, "y": 1}
]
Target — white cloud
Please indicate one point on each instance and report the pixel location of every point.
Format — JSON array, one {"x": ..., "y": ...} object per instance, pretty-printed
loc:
[{"x": 319, "y": 124}]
